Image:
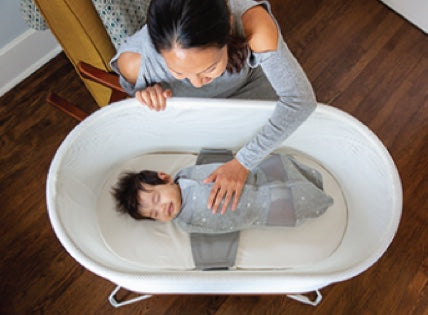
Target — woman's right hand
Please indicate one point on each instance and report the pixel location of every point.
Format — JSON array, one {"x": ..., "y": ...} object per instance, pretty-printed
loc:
[{"x": 154, "y": 97}]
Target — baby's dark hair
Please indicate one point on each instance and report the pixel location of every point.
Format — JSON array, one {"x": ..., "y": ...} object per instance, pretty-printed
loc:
[{"x": 126, "y": 190}]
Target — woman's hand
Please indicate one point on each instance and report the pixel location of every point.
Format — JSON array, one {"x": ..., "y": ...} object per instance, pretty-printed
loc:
[
  {"x": 229, "y": 180},
  {"x": 154, "y": 97}
]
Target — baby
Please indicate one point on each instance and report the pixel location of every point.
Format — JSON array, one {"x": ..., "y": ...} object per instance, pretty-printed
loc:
[{"x": 278, "y": 192}]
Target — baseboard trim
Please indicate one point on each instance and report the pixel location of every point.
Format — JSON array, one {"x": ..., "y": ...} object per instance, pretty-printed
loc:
[{"x": 24, "y": 55}]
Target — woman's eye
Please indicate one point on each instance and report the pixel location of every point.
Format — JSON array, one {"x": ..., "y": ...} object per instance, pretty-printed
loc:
[
  {"x": 210, "y": 70},
  {"x": 178, "y": 74}
]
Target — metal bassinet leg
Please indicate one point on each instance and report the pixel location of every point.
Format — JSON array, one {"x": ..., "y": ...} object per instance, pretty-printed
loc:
[
  {"x": 304, "y": 299},
  {"x": 116, "y": 304},
  {"x": 298, "y": 297}
]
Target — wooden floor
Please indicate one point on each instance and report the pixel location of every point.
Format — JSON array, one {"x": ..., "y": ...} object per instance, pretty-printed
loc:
[{"x": 360, "y": 56}]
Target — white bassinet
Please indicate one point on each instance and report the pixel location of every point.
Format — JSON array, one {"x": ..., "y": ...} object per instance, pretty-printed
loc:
[{"x": 118, "y": 133}]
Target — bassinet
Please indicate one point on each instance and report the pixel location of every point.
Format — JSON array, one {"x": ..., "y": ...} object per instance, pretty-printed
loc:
[{"x": 122, "y": 131}]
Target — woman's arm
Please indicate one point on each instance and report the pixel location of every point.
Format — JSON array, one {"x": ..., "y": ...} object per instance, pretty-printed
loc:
[
  {"x": 128, "y": 64},
  {"x": 296, "y": 97},
  {"x": 296, "y": 102},
  {"x": 154, "y": 97},
  {"x": 260, "y": 30}
]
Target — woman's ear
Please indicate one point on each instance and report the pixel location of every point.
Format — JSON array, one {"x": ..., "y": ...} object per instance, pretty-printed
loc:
[{"x": 165, "y": 177}]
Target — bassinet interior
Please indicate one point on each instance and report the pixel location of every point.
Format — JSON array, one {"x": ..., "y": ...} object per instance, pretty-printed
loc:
[{"x": 106, "y": 140}]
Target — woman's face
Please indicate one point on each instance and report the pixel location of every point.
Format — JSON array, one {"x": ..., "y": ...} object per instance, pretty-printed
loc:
[{"x": 200, "y": 65}]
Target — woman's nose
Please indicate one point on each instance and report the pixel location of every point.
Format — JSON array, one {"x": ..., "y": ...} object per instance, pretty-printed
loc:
[{"x": 196, "y": 81}]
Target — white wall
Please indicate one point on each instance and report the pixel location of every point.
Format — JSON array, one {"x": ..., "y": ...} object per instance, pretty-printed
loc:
[
  {"x": 22, "y": 50},
  {"x": 11, "y": 23}
]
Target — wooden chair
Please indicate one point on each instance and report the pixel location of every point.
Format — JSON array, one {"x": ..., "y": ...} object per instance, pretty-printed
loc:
[
  {"x": 107, "y": 79},
  {"x": 86, "y": 43}
]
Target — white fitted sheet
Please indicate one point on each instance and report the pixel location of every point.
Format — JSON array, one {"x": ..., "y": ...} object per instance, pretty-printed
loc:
[{"x": 157, "y": 245}]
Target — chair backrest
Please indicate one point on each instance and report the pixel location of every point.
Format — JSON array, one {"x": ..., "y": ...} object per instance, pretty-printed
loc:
[
  {"x": 89, "y": 32},
  {"x": 122, "y": 18},
  {"x": 79, "y": 30}
]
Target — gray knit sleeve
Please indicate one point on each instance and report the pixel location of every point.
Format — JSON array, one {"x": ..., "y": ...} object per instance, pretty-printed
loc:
[{"x": 296, "y": 102}]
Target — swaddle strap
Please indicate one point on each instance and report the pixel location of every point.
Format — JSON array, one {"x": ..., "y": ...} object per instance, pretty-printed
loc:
[{"x": 214, "y": 251}]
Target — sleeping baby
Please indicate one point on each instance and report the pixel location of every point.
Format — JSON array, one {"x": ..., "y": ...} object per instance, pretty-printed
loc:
[{"x": 280, "y": 191}]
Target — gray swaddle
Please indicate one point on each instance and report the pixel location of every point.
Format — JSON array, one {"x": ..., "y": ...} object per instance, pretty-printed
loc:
[{"x": 278, "y": 192}]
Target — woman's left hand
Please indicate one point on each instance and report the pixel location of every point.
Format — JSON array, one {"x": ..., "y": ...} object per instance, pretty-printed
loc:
[{"x": 229, "y": 179}]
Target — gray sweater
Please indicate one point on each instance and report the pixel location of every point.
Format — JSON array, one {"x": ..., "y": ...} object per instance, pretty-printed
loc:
[
  {"x": 274, "y": 75},
  {"x": 278, "y": 192}
]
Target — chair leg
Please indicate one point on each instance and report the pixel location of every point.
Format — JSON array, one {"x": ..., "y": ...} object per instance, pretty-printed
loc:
[
  {"x": 66, "y": 107},
  {"x": 105, "y": 78}
]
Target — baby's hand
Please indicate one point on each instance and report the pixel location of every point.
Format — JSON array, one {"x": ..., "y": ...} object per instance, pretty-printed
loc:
[{"x": 154, "y": 97}]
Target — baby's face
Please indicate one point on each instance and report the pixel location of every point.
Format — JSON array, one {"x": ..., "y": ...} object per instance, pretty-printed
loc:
[{"x": 160, "y": 202}]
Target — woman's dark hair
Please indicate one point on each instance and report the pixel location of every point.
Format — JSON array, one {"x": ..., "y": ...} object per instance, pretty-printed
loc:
[
  {"x": 195, "y": 24},
  {"x": 126, "y": 191}
]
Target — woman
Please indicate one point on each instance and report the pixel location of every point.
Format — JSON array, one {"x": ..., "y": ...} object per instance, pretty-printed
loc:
[{"x": 218, "y": 48}]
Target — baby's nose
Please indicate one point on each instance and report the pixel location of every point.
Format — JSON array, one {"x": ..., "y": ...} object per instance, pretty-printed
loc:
[{"x": 164, "y": 208}]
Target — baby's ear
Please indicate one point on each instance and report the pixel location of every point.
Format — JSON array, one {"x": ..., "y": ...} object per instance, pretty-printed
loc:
[{"x": 165, "y": 177}]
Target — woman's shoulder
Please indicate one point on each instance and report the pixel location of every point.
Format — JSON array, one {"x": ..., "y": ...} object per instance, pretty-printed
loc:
[
  {"x": 128, "y": 64},
  {"x": 131, "y": 53},
  {"x": 260, "y": 29}
]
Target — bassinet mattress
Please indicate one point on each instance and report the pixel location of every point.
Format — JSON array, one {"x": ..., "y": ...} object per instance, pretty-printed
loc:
[{"x": 151, "y": 245}]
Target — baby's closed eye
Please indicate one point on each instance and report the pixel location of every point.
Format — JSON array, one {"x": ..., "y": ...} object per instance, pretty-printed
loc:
[{"x": 155, "y": 197}]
